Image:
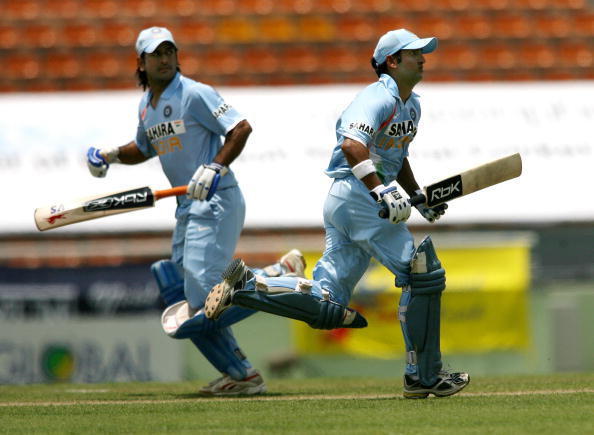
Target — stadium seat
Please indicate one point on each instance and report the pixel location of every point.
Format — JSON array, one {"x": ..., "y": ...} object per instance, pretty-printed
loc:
[
  {"x": 62, "y": 65},
  {"x": 511, "y": 25},
  {"x": 496, "y": 56},
  {"x": 221, "y": 61},
  {"x": 100, "y": 9},
  {"x": 538, "y": 55},
  {"x": 575, "y": 54},
  {"x": 107, "y": 64},
  {"x": 490, "y": 5},
  {"x": 38, "y": 36},
  {"x": 552, "y": 26},
  {"x": 583, "y": 25},
  {"x": 230, "y": 30},
  {"x": 276, "y": 29},
  {"x": 299, "y": 59},
  {"x": 117, "y": 34},
  {"x": 22, "y": 66},
  {"x": 455, "y": 57},
  {"x": 315, "y": 28},
  {"x": 386, "y": 23},
  {"x": 9, "y": 36},
  {"x": 255, "y": 7},
  {"x": 190, "y": 32},
  {"x": 569, "y": 4},
  {"x": 21, "y": 10},
  {"x": 139, "y": 8},
  {"x": 61, "y": 9},
  {"x": 341, "y": 59},
  {"x": 178, "y": 8},
  {"x": 472, "y": 26},
  {"x": 260, "y": 60},
  {"x": 434, "y": 25},
  {"x": 77, "y": 35},
  {"x": 355, "y": 28}
]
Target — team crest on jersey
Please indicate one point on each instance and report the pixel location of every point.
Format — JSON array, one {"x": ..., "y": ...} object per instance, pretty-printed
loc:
[
  {"x": 167, "y": 111},
  {"x": 413, "y": 114},
  {"x": 397, "y": 129},
  {"x": 361, "y": 126},
  {"x": 165, "y": 129}
]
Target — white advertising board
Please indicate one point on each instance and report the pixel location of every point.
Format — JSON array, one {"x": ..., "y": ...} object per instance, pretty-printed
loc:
[{"x": 43, "y": 139}]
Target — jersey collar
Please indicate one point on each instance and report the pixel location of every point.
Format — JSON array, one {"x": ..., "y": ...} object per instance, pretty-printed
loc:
[
  {"x": 391, "y": 85},
  {"x": 171, "y": 87}
]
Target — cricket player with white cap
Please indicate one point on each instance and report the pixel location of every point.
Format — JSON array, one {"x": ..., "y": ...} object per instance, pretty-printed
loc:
[
  {"x": 368, "y": 166},
  {"x": 182, "y": 121}
]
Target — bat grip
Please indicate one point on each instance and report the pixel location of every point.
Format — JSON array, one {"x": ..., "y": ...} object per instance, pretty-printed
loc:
[
  {"x": 174, "y": 191},
  {"x": 414, "y": 200}
]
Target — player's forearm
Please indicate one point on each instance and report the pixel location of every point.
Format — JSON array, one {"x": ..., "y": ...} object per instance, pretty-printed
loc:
[
  {"x": 355, "y": 153},
  {"x": 129, "y": 154},
  {"x": 234, "y": 143},
  {"x": 406, "y": 178}
]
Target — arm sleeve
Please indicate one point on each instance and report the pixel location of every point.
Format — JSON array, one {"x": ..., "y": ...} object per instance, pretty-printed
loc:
[
  {"x": 363, "y": 118},
  {"x": 209, "y": 109},
  {"x": 142, "y": 142}
]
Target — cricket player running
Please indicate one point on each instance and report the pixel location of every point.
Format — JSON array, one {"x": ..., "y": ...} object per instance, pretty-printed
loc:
[
  {"x": 182, "y": 122},
  {"x": 368, "y": 164}
]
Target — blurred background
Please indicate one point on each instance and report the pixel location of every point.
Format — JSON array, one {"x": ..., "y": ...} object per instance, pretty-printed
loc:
[{"x": 78, "y": 304}]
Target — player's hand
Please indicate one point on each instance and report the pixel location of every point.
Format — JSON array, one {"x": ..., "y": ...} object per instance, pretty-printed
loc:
[
  {"x": 431, "y": 213},
  {"x": 205, "y": 180},
  {"x": 96, "y": 163},
  {"x": 397, "y": 206}
]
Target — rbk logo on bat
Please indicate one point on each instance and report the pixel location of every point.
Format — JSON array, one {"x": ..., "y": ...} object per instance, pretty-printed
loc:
[
  {"x": 142, "y": 197},
  {"x": 445, "y": 190}
]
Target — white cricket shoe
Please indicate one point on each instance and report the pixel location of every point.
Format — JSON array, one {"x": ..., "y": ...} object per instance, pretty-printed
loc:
[
  {"x": 227, "y": 386},
  {"x": 290, "y": 264}
]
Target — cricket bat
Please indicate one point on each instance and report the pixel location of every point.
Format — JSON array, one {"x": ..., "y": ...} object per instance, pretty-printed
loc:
[
  {"x": 93, "y": 207},
  {"x": 470, "y": 181}
]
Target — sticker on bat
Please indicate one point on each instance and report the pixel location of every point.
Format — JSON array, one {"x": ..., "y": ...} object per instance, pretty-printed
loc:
[
  {"x": 445, "y": 190},
  {"x": 135, "y": 198}
]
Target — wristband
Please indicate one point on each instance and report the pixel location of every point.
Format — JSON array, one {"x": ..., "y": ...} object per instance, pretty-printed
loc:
[
  {"x": 111, "y": 155},
  {"x": 363, "y": 168}
]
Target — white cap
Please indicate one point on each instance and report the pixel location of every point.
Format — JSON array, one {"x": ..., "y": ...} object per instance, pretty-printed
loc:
[
  {"x": 401, "y": 39},
  {"x": 149, "y": 39}
]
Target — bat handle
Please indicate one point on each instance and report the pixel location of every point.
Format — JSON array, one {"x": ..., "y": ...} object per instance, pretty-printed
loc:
[
  {"x": 414, "y": 200},
  {"x": 174, "y": 191}
]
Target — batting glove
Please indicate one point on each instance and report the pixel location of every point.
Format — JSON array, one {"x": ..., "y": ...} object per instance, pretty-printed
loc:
[
  {"x": 205, "y": 180},
  {"x": 96, "y": 163},
  {"x": 430, "y": 213},
  {"x": 397, "y": 206}
]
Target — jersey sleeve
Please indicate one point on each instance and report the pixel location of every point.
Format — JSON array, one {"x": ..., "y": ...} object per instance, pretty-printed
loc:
[
  {"x": 208, "y": 108},
  {"x": 142, "y": 141},
  {"x": 364, "y": 117}
]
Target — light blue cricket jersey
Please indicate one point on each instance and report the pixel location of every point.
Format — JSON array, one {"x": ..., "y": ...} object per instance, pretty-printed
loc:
[
  {"x": 185, "y": 129},
  {"x": 379, "y": 119}
]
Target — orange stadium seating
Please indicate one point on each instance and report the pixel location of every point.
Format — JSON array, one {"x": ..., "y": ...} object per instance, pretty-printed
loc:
[{"x": 88, "y": 44}]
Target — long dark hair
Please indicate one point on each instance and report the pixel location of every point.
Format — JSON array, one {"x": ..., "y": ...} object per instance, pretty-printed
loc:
[{"x": 142, "y": 78}]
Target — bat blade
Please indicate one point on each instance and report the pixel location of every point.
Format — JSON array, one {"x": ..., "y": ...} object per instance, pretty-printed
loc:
[
  {"x": 474, "y": 179},
  {"x": 93, "y": 207}
]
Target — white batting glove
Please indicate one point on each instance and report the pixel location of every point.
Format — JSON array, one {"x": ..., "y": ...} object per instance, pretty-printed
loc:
[
  {"x": 397, "y": 206},
  {"x": 430, "y": 213},
  {"x": 205, "y": 180},
  {"x": 98, "y": 160}
]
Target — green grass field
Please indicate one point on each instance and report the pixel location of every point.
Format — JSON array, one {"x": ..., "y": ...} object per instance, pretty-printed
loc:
[{"x": 553, "y": 404}]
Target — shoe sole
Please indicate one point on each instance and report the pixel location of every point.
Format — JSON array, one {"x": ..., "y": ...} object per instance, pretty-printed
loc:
[
  {"x": 216, "y": 300},
  {"x": 425, "y": 394}
]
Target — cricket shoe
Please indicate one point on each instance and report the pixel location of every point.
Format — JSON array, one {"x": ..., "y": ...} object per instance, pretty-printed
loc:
[
  {"x": 290, "y": 264},
  {"x": 235, "y": 277},
  {"x": 448, "y": 383},
  {"x": 227, "y": 386}
]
